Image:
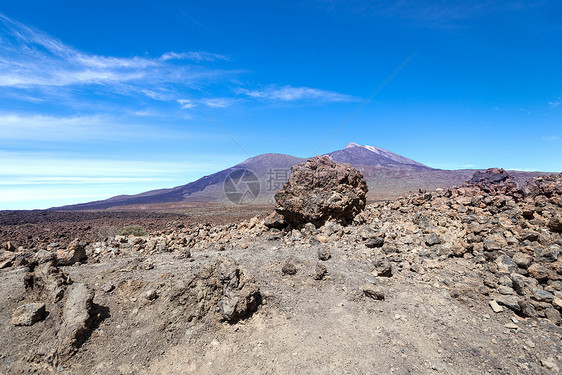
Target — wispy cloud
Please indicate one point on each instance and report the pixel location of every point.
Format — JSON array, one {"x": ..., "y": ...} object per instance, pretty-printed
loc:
[
  {"x": 554, "y": 103},
  {"x": 429, "y": 12},
  {"x": 552, "y": 138},
  {"x": 195, "y": 56},
  {"x": 209, "y": 102},
  {"x": 32, "y": 60},
  {"x": 219, "y": 102},
  {"x": 87, "y": 128},
  {"x": 290, "y": 94},
  {"x": 186, "y": 103}
]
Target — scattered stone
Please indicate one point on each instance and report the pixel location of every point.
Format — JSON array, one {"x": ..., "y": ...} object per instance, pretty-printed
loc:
[
  {"x": 555, "y": 223},
  {"x": 9, "y": 246},
  {"x": 275, "y": 220},
  {"x": 557, "y": 303},
  {"x": 550, "y": 364},
  {"x": 320, "y": 271},
  {"x": 495, "y": 307},
  {"x": 289, "y": 267},
  {"x": 148, "y": 264},
  {"x": 321, "y": 190},
  {"x": 28, "y": 314},
  {"x": 509, "y": 301},
  {"x": 506, "y": 264},
  {"x": 383, "y": 268},
  {"x": 553, "y": 315},
  {"x": 320, "y": 238},
  {"x": 74, "y": 252},
  {"x": 542, "y": 295},
  {"x": 522, "y": 260},
  {"x": 373, "y": 242},
  {"x": 373, "y": 292},
  {"x": 538, "y": 272},
  {"x": 432, "y": 239},
  {"x": 151, "y": 295},
  {"x": 107, "y": 288},
  {"x": 324, "y": 253}
]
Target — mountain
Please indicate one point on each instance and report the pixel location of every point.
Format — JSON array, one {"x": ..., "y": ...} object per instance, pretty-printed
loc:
[
  {"x": 356, "y": 154},
  {"x": 388, "y": 175}
]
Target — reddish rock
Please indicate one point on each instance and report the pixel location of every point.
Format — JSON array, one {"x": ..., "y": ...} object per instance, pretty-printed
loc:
[
  {"x": 321, "y": 190},
  {"x": 538, "y": 272}
]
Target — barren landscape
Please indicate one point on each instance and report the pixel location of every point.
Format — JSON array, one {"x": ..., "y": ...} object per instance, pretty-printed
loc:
[
  {"x": 281, "y": 187},
  {"x": 455, "y": 281}
]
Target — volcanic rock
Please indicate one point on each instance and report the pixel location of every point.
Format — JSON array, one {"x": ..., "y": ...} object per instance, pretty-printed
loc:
[
  {"x": 373, "y": 292},
  {"x": 77, "y": 318},
  {"x": 289, "y": 267},
  {"x": 324, "y": 253},
  {"x": 319, "y": 190},
  {"x": 320, "y": 271},
  {"x": 75, "y": 252},
  {"x": 28, "y": 314},
  {"x": 221, "y": 290}
]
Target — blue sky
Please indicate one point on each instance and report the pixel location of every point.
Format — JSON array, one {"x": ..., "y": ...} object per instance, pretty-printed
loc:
[{"x": 99, "y": 98}]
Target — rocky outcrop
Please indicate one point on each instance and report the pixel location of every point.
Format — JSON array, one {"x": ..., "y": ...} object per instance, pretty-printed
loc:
[
  {"x": 221, "y": 291},
  {"x": 74, "y": 252},
  {"x": 319, "y": 190},
  {"x": 77, "y": 318}
]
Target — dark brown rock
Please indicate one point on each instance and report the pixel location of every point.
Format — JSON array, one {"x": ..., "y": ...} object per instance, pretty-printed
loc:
[
  {"x": 289, "y": 267},
  {"x": 275, "y": 220},
  {"x": 555, "y": 223},
  {"x": 320, "y": 271},
  {"x": 373, "y": 292},
  {"x": 539, "y": 272},
  {"x": 319, "y": 190}
]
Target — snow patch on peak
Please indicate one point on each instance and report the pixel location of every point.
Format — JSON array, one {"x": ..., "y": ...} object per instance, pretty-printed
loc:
[{"x": 380, "y": 151}]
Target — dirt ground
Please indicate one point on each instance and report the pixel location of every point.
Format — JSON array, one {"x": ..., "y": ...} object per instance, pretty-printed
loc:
[{"x": 304, "y": 325}]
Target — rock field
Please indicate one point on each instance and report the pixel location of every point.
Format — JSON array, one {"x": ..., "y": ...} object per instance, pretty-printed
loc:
[{"x": 466, "y": 280}]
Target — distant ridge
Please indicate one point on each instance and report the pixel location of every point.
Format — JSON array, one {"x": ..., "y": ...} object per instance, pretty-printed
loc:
[{"x": 388, "y": 175}]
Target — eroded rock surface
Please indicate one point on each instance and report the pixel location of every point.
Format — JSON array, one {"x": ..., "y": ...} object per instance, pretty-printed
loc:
[{"x": 319, "y": 190}]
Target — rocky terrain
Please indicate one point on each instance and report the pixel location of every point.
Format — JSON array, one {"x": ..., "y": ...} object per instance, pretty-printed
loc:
[{"x": 465, "y": 280}]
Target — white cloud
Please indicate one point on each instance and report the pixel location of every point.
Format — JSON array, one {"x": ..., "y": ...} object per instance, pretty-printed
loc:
[
  {"x": 554, "y": 103},
  {"x": 209, "y": 102},
  {"x": 43, "y": 128},
  {"x": 289, "y": 94},
  {"x": 195, "y": 56},
  {"x": 186, "y": 103},
  {"x": 219, "y": 102},
  {"x": 32, "y": 60}
]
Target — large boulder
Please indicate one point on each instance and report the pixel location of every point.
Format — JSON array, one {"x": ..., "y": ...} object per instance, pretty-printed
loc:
[{"x": 321, "y": 190}]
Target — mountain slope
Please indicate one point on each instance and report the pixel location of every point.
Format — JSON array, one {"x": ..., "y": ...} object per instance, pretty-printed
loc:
[
  {"x": 356, "y": 154},
  {"x": 388, "y": 175}
]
